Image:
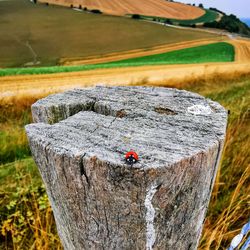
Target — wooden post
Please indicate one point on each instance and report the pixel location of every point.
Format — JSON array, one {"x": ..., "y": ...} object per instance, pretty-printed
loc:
[{"x": 78, "y": 141}]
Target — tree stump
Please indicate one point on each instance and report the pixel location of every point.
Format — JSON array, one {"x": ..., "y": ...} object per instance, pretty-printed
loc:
[{"x": 78, "y": 141}]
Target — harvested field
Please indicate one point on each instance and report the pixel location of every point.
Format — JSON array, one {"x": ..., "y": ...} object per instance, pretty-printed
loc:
[
  {"x": 242, "y": 48},
  {"x": 159, "y": 8},
  {"x": 42, "y": 84},
  {"x": 43, "y": 35}
]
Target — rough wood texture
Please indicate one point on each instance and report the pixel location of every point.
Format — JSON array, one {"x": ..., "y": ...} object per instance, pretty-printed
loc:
[{"x": 99, "y": 202}]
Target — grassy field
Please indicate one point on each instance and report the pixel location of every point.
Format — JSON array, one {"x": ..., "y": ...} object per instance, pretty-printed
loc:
[
  {"x": 217, "y": 52},
  {"x": 46, "y": 34},
  {"x": 26, "y": 218}
]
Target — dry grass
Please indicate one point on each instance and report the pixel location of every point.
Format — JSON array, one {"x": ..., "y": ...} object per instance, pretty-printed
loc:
[
  {"x": 204, "y": 84},
  {"x": 229, "y": 205},
  {"x": 230, "y": 200}
]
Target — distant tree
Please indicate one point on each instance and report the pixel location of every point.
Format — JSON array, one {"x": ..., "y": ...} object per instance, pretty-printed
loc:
[
  {"x": 230, "y": 23},
  {"x": 136, "y": 16},
  {"x": 184, "y": 25},
  {"x": 194, "y": 4},
  {"x": 214, "y": 9},
  {"x": 85, "y": 8},
  {"x": 96, "y": 11},
  {"x": 201, "y": 6},
  {"x": 168, "y": 21},
  {"x": 233, "y": 17},
  {"x": 71, "y": 6},
  {"x": 80, "y": 6}
]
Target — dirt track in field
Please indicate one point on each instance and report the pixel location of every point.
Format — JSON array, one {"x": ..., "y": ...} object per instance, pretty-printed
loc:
[
  {"x": 242, "y": 49},
  {"x": 140, "y": 52},
  {"x": 159, "y": 8},
  {"x": 153, "y": 75}
]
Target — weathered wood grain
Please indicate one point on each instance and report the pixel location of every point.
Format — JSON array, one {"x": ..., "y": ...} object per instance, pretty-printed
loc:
[{"x": 99, "y": 202}]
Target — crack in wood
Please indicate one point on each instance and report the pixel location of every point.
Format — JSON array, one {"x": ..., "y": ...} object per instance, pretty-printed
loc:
[
  {"x": 83, "y": 171},
  {"x": 165, "y": 111}
]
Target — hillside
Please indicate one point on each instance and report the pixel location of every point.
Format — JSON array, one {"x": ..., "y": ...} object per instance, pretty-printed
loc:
[
  {"x": 47, "y": 35},
  {"x": 230, "y": 23},
  {"x": 159, "y": 8}
]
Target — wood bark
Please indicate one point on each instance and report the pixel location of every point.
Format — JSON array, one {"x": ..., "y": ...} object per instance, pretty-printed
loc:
[{"x": 78, "y": 141}]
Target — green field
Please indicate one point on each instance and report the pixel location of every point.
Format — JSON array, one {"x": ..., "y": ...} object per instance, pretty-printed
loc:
[
  {"x": 32, "y": 33},
  {"x": 217, "y": 52},
  {"x": 26, "y": 218}
]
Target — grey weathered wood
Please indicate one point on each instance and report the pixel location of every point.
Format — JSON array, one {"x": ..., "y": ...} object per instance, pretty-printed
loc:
[{"x": 99, "y": 202}]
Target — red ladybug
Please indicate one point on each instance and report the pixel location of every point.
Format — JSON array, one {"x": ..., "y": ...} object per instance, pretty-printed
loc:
[{"x": 131, "y": 157}]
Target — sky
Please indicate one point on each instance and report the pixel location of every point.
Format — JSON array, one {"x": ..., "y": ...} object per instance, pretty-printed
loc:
[{"x": 241, "y": 8}]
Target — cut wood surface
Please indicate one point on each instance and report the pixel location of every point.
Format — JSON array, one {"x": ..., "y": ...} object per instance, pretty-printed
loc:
[
  {"x": 99, "y": 202},
  {"x": 158, "y": 8}
]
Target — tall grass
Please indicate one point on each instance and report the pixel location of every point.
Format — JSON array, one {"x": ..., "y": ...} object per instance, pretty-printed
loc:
[
  {"x": 13, "y": 143},
  {"x": 229, "y": 205},
  {"x": 25, "y": 215},
  {"x": 27, "y": 220},
  {"x": 14, "y": 114}
]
